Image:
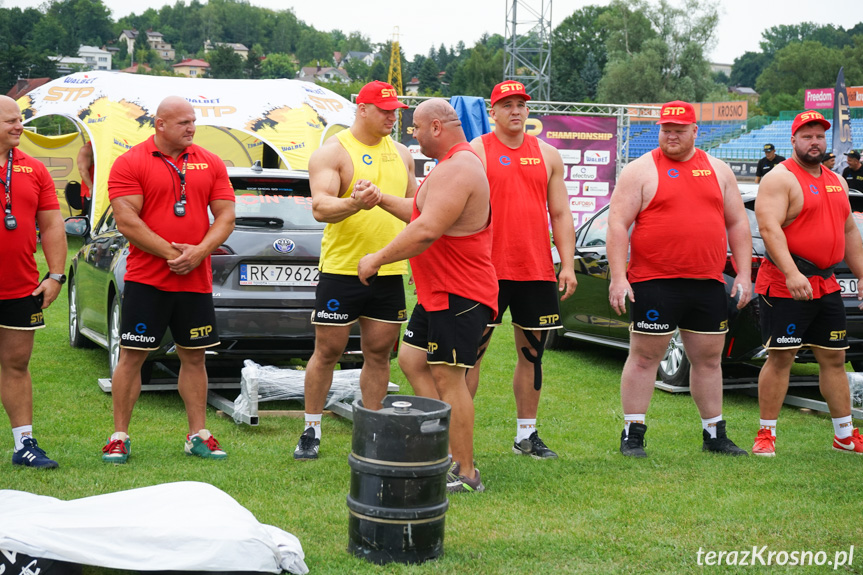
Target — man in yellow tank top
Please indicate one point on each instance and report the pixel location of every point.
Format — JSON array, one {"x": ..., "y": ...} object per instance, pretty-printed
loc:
[{"x": 355, "y": 178}]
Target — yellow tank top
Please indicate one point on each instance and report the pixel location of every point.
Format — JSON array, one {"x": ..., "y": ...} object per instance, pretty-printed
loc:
[{"x": 366, "y": 231}]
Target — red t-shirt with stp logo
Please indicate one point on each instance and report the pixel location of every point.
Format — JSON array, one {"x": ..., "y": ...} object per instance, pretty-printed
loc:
[
  {"x": 32, "y": 190},
  {"x": 139, "y": 172}
]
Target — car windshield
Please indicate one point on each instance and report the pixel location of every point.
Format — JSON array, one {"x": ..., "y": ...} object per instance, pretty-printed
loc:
[{"x": 274, "y": 203}]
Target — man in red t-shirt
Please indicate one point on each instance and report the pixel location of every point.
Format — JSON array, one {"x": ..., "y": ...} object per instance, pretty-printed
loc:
[
  {"x": 807, "y": 226},
  {"x": 160, "y": 191},
  {"x": 28, "y": 197},
  {"x": 684, "y": 203},
  {"x": 527, "y": 190}
]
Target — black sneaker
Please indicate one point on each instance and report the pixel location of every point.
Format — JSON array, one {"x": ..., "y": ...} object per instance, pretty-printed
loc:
[
  {"x": 307, "y": 447},
  {"x": 31, "y": 455},
  {"x": 464, "y": 485},
  {"x": 721, "y": 444},
  {"x": 534, "y": 447},
  {"x": 632, "y": 445}
]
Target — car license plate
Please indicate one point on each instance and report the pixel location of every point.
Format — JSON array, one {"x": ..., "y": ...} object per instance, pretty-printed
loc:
[
  {"x": 849, "y": 286},
  {"x": 278, "y": 275}
]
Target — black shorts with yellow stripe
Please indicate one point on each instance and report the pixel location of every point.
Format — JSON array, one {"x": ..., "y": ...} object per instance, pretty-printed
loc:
[
  {"x": 449, "y": 336},
  {"x": 787, "y": 323},
  {"x": 663, "y": 305},
  {"x": 148, "y": 312},
  {"x": 24, "y": 313}
]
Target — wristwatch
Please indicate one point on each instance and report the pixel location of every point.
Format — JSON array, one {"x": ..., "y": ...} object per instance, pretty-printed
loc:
[{"x": 56, "y": 277}]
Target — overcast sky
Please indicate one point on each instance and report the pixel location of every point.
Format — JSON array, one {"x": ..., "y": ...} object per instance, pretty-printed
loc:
[{"x": 425, "y": 24}]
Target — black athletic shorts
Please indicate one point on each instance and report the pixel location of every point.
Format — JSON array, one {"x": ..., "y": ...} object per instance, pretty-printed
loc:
[
  {"x": 22, "y": 313},
  {"x": 533, "y": 304},
  {"x": 449, "y": 336},
  {"x": 342, "y": 300},
  {"x": 148, "y": 312},
  {"x": 663, "y": 305},
  {"x": 787, "y": 323}
]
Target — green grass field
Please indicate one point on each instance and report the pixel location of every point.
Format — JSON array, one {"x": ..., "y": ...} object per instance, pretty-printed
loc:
[{"x": 591, "y": 511}]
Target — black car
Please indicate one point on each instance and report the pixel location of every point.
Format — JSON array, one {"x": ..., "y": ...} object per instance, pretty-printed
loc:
[
  {"x": 588, "y": 316},
  {"x": 264, "y": 278}
]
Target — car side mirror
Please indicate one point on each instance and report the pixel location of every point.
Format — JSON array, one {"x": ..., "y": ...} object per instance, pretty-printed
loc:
[{"x": 77, "y": 226}]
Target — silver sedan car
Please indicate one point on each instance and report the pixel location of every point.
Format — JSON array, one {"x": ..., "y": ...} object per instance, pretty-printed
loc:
[{"x": 264, "y": 278}]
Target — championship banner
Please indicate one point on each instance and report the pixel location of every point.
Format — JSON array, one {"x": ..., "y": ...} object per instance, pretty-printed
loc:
[
  {"x": 841, "y": 124},
  {"x": 234, "y": 118},
  {"x": 588, "y": 146}
]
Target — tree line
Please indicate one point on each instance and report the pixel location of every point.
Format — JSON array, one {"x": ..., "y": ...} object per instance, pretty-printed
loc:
[{"x": 629, "y": 51}]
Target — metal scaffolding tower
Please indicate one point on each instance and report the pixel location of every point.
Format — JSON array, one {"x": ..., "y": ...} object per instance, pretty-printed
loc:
[{"x": 527, "y": 46}]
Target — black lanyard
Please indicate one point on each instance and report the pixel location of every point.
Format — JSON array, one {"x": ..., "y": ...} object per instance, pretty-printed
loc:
[
  {"x": 180, "y": 205},
  {"x": 9, "y": 220}
]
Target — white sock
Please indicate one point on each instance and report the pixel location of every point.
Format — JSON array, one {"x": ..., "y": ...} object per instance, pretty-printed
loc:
[
  {"x": 314, "y": 421},
  {"x": 19, "y": 433},
  {"x": 769, "y": 424},
  {"x": 123, "y": 436},
  {"x": 709, "y": 425},
  {"x": 524, "y": 428},
  {"x": 632, "y": 418},
  {"x": 843, "y": 427}
]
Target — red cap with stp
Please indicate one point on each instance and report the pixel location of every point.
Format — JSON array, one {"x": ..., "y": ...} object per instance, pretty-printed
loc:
[
  {"x": 677, "y": 112},
  {"x": 380, "y": 94},
  {"x": 506, "y": 89},
  {"x": 804, "y": 118}
]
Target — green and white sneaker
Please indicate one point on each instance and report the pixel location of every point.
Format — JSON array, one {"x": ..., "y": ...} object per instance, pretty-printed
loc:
[
  {"x": 117, "y": 449},
  {"x": 204, "y": 445}
]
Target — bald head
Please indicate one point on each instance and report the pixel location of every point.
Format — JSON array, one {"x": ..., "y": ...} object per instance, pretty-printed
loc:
[
  {"x": 175, "y": 126},
  {"x": 437, "y": 127},
  {"x": 10, "y": 126},
  {"x": 173, "y": 105}
]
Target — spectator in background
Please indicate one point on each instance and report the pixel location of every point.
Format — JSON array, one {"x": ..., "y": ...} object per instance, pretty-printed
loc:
[
  {"x": 829, "y": 160},
  {"x": 767, "y": 163},
  {"x": 853, "y": 173},
  {"x": 86, "y": 167}
]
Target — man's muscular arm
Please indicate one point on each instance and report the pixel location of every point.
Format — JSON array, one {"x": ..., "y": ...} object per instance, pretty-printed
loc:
[
  {"x": 771, "y": 210},
  {"x": 127, "y": 214},
  {"x": 739, "y": 234},
  {"x": 625, "y": 205},
  {"x": 328, "y": 166},
  {"x": 446, "y": 194},
  {"x": 561, "y": 220}
]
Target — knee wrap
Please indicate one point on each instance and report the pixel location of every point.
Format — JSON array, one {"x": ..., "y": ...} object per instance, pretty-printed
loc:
[
  {"x": 482, "y": 341},
  {"x": 539, "y": 346}
]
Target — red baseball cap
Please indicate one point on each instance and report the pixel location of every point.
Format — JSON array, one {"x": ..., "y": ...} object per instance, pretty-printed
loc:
[
  {"x": 380, "y": 94},
  {"x": 677, "y": 112},
  {"x": 804, "y": 118},
  {"x": 506, "y": 89}
]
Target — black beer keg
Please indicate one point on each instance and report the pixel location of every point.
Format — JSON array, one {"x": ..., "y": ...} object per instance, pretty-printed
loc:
[{"x": 399, "y": 459}]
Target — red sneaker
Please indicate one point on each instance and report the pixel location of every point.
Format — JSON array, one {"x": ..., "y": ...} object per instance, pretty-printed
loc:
[
  {"x": 853, "y": 444},
  {"x": 765, "y": 443}
]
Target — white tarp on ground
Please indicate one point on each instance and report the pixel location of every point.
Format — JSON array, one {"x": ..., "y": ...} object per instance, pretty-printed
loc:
[{"x": 186, "y": 526}]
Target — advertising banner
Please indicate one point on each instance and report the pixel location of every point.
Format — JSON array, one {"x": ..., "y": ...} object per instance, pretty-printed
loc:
[
  {"x": 818, "y": 98},
  {"x": 233, "y": 117},
  {"x": 824, "y": 98},
  {"x": 841, "y": 124},
  {"x": 588, "y": 147}
]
